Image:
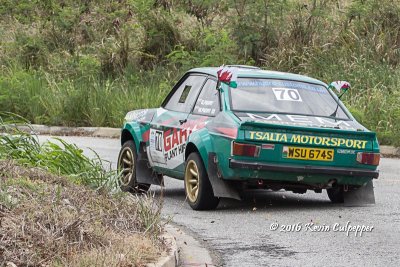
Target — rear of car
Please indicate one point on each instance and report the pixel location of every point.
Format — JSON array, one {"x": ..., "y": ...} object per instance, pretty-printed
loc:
[{"x": 297, "y": 135}]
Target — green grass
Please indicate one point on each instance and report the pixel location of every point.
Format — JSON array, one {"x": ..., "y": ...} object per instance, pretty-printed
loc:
[
  {"x": 56, "y": 156},
  {"x": 52, "y": 216},
  {"x": 88, "y": 63},
  {"x": 88, "y": 101}
]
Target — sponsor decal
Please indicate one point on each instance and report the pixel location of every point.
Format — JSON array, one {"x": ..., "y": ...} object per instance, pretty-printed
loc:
[
  {"x": 205, "y": 106},
  {"x": 300, "y": 120},
  {"x": 282, "y": 84},
  {"x": 306, "y": 139},
  {"x": 346, "y": 151},
  {"x": 175, "y": 143},
  {"x": 167, "y": 147},
  {"x": 136, "y": 115}
]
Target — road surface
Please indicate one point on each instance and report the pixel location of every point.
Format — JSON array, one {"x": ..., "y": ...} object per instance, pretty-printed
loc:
[{"x": 311, "y": 231}]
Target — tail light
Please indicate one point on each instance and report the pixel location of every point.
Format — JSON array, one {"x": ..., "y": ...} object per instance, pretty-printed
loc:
[
  {"x": 248, "y": 150},
  {"x": 368, "y": 158}
]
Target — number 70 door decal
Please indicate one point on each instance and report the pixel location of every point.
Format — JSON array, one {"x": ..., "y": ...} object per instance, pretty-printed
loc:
[{"x": 167, "y": 147}]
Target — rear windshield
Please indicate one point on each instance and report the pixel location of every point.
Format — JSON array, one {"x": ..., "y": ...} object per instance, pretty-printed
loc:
[{"x": 280, "y": 96}]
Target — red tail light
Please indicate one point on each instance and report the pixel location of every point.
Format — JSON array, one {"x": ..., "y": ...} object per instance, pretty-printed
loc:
[
  {"x": 368, "y": 158},
  {"x": 245, "y": 150}
]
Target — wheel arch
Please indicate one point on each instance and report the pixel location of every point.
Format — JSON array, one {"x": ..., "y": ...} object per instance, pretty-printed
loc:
[
  {"x": 199, "y": 142},
  {"x": 131, "y": 132},
  {"x": 190, "y": 148},
  {"x": 126, "y": 136}
]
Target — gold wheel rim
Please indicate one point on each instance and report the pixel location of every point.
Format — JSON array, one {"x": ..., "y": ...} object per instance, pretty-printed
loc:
[
  {"x": 126, "y": 166},
  {"x": 192, "y": 181}
]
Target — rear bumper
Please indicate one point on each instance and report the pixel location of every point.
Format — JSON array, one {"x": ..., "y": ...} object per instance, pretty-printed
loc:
[{"x": 307, "y": 169}]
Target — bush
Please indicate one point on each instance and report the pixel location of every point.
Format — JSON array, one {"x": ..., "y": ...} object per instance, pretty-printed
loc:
[
  {"x": 86, "y": 63},
  {"x": 57, "y": 157}
]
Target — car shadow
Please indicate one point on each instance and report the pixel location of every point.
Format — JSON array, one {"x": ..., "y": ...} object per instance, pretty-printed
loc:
[
  {"x": 258, "y": 200},
  {"x": 270, "y": 200}
]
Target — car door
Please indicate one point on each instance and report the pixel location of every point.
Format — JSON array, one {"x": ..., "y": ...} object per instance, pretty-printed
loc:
[{"x": 168, "y": 129}]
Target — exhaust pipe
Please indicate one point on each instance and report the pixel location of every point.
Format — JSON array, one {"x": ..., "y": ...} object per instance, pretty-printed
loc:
[{"x": 331, "y": 183}]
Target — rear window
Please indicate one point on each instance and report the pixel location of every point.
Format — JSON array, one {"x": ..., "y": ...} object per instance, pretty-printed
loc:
[{"x": 280, "y": 96}]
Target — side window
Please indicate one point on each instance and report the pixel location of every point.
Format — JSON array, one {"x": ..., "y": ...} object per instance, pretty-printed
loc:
[
  {"x": 208, "y": 101},
  {"x": 185, "y": 93},
  {"x": 183, "y": 98}
]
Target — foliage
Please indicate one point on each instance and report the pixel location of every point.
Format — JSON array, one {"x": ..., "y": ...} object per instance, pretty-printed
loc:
[
  {"x": 57, "y": 156},
  {"x": 89, "y": 62},
  {"x": 101, "y": 227}
]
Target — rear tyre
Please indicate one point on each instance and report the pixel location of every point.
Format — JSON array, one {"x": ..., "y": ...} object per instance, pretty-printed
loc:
[
  {"x": 336, "y": 194},
  {"x": 198, "y": 189},
  {"x": 127, "y": 169}
]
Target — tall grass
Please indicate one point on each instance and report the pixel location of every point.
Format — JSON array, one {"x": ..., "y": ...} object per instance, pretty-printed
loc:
[
  {"x": 88, "y": 63},
  {"x": 88, "y": 101},
  {"x": 57, "y": 156}
]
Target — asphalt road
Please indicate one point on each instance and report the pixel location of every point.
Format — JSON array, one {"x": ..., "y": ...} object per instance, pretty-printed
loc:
[{"x": 238, "y": 232}]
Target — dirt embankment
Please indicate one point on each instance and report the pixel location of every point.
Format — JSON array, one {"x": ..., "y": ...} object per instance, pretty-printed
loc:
[{"x": 46, "y": 220}]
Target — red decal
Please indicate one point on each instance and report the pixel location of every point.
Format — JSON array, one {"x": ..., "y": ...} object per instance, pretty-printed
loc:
[
  {"x": 184, "y": 135},
  {"x": 175, "y": 140},
  {"x": 145, "y": 136},
  {"x": 231, "y": 132},
  {"x": 167, "y": 143},
  {"x": 178, "y": 137}
]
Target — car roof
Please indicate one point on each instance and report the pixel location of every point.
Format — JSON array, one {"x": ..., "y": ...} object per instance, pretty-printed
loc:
[{"x": 254, "y": 72}]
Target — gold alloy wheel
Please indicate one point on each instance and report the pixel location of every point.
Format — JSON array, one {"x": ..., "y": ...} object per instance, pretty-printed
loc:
[
  {"x": 126, "y": 166},
  {"x": 192, "y": 181}
]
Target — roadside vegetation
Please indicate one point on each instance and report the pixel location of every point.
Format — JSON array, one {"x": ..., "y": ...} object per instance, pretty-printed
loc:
[
  {"x": 86, "y": 63},
  {"x": 56, "y": 156},
  {"x": 59, "y": 208}
]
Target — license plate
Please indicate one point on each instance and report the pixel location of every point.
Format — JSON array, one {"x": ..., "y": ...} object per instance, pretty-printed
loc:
[{"x": 306, "y": 153}]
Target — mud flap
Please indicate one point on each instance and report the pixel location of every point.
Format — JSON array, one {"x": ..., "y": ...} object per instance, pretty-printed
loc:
[
  {"x": 144, "y": 173},
  {"x": 221, "y": 188},
  {"x": 360, "y": 197}
]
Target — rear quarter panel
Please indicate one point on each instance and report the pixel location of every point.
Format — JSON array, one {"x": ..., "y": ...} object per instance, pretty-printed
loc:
[{"x": 136, "y": 126}]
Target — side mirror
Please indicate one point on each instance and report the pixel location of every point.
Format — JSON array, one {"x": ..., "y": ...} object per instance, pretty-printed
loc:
[{"x": 340, "y": 86}]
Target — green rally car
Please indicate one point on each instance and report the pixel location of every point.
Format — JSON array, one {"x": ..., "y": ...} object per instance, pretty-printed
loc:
[{"x": 266, "y": 129}]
